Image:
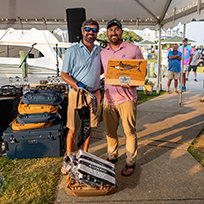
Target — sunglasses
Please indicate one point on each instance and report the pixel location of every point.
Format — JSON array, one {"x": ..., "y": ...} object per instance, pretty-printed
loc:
[{"x": 88, "y": 29}]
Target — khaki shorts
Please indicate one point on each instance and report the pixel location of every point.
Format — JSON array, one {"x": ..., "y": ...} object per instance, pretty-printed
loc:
[
  {"x": 185, "y": 68},
  {"x": 72, "y": 100},
  {"x": 173, "y": 75}
]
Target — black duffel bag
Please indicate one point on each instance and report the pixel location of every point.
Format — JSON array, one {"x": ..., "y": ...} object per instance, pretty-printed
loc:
[{"x": 82, "y": 121}]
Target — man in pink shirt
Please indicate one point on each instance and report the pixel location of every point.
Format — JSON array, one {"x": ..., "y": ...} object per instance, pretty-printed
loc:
[
  {"x": 120, "y": 101},
  {"x": 187, "y": 58}
]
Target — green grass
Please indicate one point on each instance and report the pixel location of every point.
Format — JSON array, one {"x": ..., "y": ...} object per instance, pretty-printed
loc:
[
  {"x": 197, "y": 151},
  {"x": 153, "y": 60},
  {"x": 35, "y": 180},
  {"x": 29, "y": 180},
  {"x": 142, "y": 98}
]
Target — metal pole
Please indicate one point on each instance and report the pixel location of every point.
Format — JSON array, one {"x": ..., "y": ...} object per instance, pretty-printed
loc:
[
  {"x": 181, "y": 81},
  {"x": 57, "y": 61},
  {"x": 24, "y": 61},
  {"x": 159, "y": 59},
  {"x": 161, "y": 72},
  {"x": 7, "y": 50}
]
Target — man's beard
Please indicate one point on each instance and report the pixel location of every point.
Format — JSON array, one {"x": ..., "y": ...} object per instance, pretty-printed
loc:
[
  {"x": 89, "y": 38},
  {"x": 115, "y": 41}
]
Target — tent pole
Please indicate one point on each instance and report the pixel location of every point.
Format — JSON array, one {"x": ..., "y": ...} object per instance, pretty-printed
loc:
[
  {"x": 181, "y": 81},
  {"x": 159, "y": 59},
  {"x": 161, "y": 71}
]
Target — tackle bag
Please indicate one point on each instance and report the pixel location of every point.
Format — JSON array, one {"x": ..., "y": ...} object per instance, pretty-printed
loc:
[
  {"x": 90, "y": 175},
  {"x": 37, "y": 118},
  {"x": 18, "y": 126},
  {"x": 32, "y": 108},
  {"x": 91, "y": 167},
  {"x": 82, "y": 121},
  {"x": 45, "y": 97}
]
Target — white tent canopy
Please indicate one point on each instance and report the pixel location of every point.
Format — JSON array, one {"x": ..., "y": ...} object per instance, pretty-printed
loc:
[{"x": 137, "y": 14}]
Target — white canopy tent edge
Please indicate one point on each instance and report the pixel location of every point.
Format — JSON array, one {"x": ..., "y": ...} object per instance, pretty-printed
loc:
[{"x": 137, "y": 14}]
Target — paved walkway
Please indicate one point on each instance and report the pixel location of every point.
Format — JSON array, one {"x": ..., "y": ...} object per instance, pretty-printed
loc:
[{"x": 165, "y": 171}]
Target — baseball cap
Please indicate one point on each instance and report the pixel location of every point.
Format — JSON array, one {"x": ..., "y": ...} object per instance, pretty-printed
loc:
[
  {"x": 185, "y": 40},
  {"x": 114, "y": 21}
]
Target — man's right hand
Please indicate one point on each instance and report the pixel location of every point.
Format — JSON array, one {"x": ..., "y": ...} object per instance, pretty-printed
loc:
[
  {"x": 69, "y": 80},
  {"x": 81, "y": 85}
]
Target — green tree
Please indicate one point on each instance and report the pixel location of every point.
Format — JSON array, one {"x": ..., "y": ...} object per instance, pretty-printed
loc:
[
  {"x": 128, "y": 36},
  {"x": 131, "y": 36},
  {"x": 103, "y": 36}
]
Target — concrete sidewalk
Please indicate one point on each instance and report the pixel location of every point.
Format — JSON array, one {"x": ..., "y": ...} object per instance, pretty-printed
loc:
[{"x": 165, "y": 171}]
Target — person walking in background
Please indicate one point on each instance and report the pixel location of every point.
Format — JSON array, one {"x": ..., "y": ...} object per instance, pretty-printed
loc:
[
  {"x": 174, "y": 68},
  {"x": 120, "y": 101},
  {"x": 188, "y": 56},
  {"x": 194, "y": 64},
  {"x": 82, "y": 64}
]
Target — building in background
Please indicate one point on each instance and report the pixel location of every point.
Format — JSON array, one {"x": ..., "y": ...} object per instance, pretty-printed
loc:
[{"x": 152, "y": 35}]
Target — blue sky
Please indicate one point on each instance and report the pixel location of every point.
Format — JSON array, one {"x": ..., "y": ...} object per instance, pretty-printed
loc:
[{"x": 195, "y": 31}]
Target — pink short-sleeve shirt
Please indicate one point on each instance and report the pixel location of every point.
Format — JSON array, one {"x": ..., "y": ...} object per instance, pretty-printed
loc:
[{"x": 115, "y": 95}]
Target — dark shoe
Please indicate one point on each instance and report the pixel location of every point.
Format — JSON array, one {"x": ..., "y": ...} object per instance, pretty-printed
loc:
[
  {"x": 183, "y": 88},
  {"x": 186, "y": 79},
  {"x": 202, "y": 99},
  {"x": 195, "y": 80},
  {"x": 112, "y": 160},
  {"x": 66, "y": 159},
  {"x": 126, "y": 168}
]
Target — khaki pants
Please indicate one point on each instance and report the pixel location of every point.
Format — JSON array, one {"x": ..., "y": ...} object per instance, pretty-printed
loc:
[{"x": 127, "y": 112}]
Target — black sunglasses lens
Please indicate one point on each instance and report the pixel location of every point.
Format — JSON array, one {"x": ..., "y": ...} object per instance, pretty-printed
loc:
[
  {"x": 94, "y": 30},
  {"x": 88, "y": 29}
]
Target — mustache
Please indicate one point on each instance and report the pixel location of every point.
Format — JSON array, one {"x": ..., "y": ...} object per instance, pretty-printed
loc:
[
  {"x": 114, "y": 35},
  {"x": 90, "y": 34}
]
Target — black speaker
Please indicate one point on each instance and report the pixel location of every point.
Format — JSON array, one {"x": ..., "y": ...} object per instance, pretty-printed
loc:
[{"x": 75, "y": 18}]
